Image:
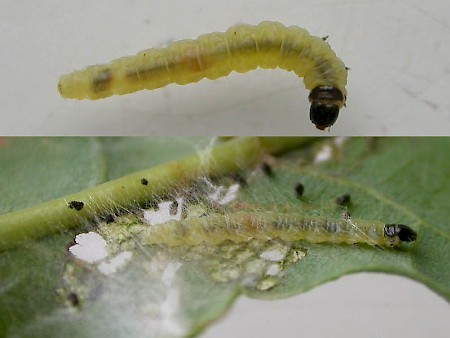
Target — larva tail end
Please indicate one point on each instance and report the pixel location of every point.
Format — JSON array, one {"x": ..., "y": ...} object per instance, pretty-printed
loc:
[
  {"x": 325, "y": 104},
  {"x": 70, "y": 88}
]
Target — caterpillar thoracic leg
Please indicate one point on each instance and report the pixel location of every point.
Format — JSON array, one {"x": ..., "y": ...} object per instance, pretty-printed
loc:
[{"x": 241, "y": 48}]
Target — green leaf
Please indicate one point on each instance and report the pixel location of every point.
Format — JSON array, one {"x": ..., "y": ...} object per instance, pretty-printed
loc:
[{"x": 170, "y": 292}]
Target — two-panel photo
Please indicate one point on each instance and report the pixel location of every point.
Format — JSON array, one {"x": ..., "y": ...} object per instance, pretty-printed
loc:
[{"x": 244, "y": 168}]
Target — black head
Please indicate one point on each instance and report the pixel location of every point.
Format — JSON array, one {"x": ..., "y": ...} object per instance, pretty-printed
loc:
[
  {"x": 403, "y": 232},
  {"x": 323, "y": 115},
  {"x": 325, "y": 104}
]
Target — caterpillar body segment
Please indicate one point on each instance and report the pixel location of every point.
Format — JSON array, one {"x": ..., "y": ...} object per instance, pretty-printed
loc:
[
  {"x": 242, "y": 226},
  {"x": 241, "y": 48}
]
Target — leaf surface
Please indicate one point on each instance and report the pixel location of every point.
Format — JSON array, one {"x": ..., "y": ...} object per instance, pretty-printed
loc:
[{"x": 170, "y": 292}]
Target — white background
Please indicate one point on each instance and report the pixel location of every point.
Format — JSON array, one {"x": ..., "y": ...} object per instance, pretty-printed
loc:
[
  {"x": 399, "y": 56},
  {"x": 360, "y": 305},
  {"x": 398, "y": 52}
]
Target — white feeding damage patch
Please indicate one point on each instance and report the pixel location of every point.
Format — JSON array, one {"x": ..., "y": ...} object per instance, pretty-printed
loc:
[
  {"x": 165, "y": 212},
  {"x": 277, "y": 254},
  {"x": 340, "y": 140},
  {"x": 220, "y": 194},
  {"x": 112, "y": 265},
  {"x": 171, "y": 304},
  {"x": 273, "y": 270},
  {"x": 169, "y": 321},
  {"x": 91, "y": 248},
  {"x": 327, "y": 151},
  {"x": 324, "y": 154},
  {"x": 273, "y": 255},
  {"x": 172, "y": 210}
]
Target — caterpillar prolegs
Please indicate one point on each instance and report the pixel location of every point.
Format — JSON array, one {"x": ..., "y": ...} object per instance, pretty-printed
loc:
[
  {"x": 242, "y": 226},
  {"x": 241, "y": 48}
]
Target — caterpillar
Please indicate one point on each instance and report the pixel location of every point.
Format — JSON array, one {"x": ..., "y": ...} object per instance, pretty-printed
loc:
[
  {"x": 242, "y": 226},
  {"x": 241, "y": 48}
]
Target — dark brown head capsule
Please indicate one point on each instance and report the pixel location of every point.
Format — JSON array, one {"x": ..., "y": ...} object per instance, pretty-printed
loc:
[
  {"x": 325, "y": 104},
  {"x": 396, "y": 233}
]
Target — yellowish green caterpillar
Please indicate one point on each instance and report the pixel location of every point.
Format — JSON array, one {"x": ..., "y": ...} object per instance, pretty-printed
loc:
[
  {"x": 241, "y": 48},
  {"x": 242, "y": 226}
]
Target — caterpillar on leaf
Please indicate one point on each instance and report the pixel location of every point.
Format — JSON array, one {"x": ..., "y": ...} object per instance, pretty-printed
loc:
[
  {"x": 266, "y": 225},
  {"x": 241, "y": 48}
]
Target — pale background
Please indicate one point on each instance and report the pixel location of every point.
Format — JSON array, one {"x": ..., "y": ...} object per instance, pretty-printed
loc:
[
  {"x": 360, "y": 305},
  {"x": 399, "y": 56},
  {"x": 398, "y": 52}
]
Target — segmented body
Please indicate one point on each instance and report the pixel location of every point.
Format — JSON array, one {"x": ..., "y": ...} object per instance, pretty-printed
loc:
[
  {"x": 242, "y": 226},
  {"x": 241, "y": 48}
]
